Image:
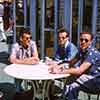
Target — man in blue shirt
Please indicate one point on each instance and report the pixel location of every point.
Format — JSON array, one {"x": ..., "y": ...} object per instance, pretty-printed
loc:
[
  {"x": 66, "y": 52},
  {"x": 87, "y": 71},
  {"x": 65, "y": 47}
]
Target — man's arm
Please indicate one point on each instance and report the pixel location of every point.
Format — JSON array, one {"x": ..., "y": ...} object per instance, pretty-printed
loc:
[
  {"x": 72, "y": 71},
  {"x": 35, "y": 51},
  {"x": 79, "y": 70},
  {"x": 30, "y": 60}
]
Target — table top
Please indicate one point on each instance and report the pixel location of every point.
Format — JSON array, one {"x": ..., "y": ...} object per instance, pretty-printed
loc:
[{"x": 32, "y": 72}]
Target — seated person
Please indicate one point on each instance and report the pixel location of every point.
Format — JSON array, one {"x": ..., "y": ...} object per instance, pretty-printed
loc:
[
  {"x": 66, "y": 52},
  {"x": 24, "y": 52},
  {"x": 87, "y": 72}
]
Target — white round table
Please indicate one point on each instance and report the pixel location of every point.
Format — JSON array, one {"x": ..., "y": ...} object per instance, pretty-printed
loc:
[{"x": 33, "y": 72}]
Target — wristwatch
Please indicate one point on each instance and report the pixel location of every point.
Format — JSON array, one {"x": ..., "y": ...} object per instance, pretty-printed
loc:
[{"x": 66, "y": 66}]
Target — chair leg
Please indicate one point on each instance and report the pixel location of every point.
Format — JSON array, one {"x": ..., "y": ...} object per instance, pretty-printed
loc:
[
  {"x": 98, "y": 97},
  {"x": 89, "y": 96}
]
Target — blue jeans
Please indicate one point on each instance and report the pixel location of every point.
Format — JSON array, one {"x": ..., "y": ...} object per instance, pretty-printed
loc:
[{"x": 84, "y": 83}]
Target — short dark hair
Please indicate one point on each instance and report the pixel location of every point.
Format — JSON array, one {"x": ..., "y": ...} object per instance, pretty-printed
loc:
[
  {"x": 24, "y": 31},
  {"x": 61, "y": 30},
  {"x": 87, "y": 33}
]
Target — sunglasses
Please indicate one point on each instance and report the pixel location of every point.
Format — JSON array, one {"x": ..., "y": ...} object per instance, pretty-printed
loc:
[
  {"x": 27, "y": 38},
  {"x": 63, "y": 37},
  {"x": 86, "y": 40}
]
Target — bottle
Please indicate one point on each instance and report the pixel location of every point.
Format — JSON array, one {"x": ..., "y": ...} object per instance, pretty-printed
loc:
[{"x": 48, "y": 60}]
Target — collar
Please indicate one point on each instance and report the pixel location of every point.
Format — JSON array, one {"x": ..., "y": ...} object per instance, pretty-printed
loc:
[
  {"x": 22, "y": 47},
  {"x": 66, "y": 44}
]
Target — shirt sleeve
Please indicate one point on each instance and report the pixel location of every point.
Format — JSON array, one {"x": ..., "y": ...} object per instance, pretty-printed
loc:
[
  {"x": 93, "y": 57},
  {"x": 14, "y": 50},
  {"x": 33, "y": 45}
]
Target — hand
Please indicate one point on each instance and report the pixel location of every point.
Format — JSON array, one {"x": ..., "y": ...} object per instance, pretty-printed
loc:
[
  {"x": 35, "y": 60},
  {"x": 56, "y": 69},
  {"x": 51, "y": 66},
  {"x": 51, "y": 63},
  {"x": 50, "y": 69},
  {"x": 32, "y": 60}
]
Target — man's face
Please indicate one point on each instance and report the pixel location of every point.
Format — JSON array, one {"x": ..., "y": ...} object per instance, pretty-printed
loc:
[
  {"x": 62, "y": 38},
  {"x": 85, "y": 41},
  {"x": 25, "y": 39}
]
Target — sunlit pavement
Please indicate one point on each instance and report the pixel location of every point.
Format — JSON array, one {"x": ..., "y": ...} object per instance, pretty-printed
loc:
[
  {"x": 6, "y": 82},
  {"x": 4, "y": 52}
]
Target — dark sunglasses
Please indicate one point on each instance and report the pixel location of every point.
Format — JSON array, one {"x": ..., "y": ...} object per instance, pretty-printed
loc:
[
  {"x": 86, "y": 40},
  {"x": 63, "y": 37},
  {"x": 27, "y": 38}
]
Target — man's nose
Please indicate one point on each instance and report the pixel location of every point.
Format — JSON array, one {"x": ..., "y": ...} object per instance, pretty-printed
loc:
[{"x": 84, "y": 41}]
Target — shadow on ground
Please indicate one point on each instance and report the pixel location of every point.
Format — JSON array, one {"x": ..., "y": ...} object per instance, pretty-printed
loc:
[
  {"x": 9, "y": 93},
  {"x": 8, "y": 90},
  {"x": 4, "y": 57}
]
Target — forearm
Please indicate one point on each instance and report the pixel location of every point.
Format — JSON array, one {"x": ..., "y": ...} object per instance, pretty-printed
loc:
[
  {"x": 31, "y": 60},
  {"x": 19, "y": 61},
  {"x": 72, "y": 71}
]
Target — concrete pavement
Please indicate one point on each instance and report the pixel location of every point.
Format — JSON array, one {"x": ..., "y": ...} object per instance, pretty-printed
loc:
[
  {"x": 6, "y": 82},
  {"x": 4, "y": 52}
]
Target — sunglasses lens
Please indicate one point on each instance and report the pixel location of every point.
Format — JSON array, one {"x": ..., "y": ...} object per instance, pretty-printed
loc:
[
  {"x": 27, "y": 38},
  {"x": 86, "y": 40}
]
